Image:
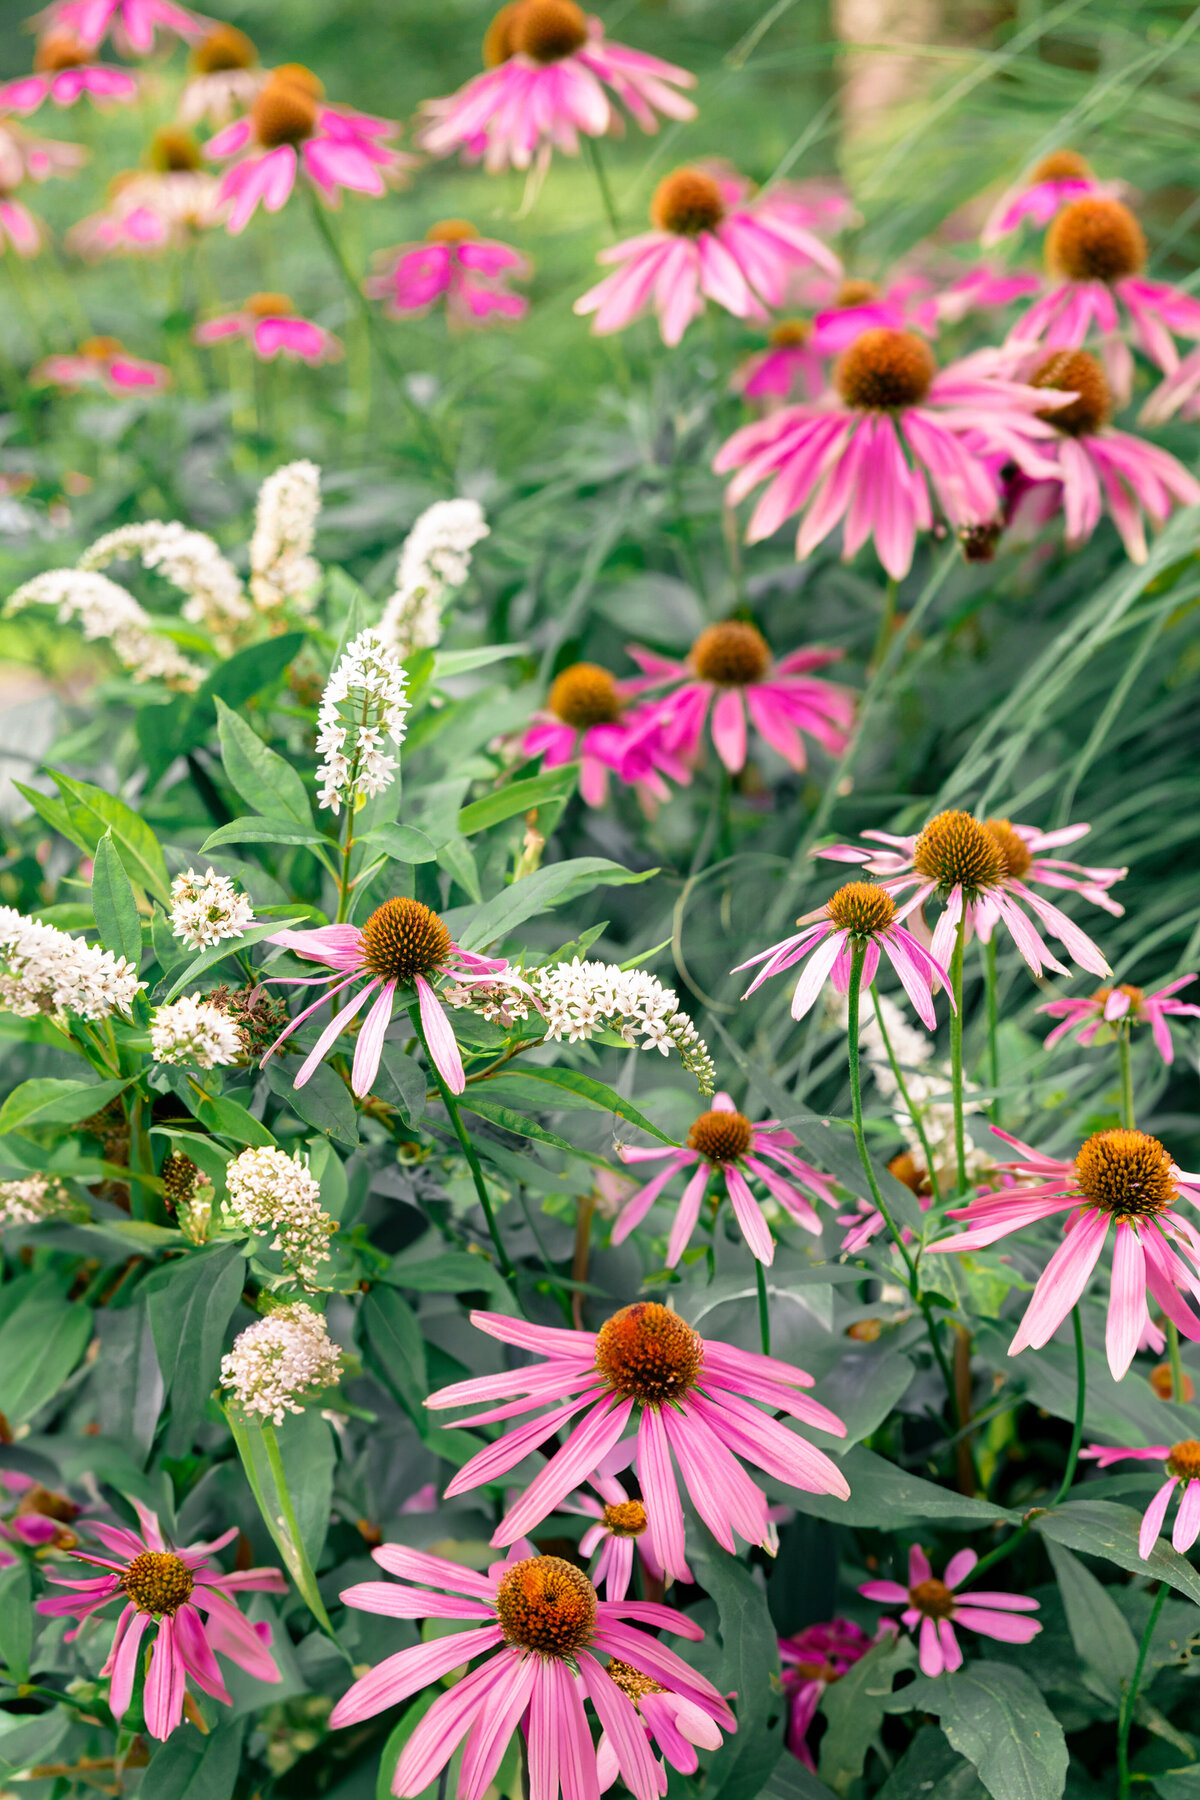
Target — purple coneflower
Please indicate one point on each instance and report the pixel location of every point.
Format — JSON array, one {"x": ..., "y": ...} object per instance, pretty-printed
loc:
[
  {"x": 1109, "y": 1007},
  {"x": 456, "y": 265},
  {"x": 1182, "y": 1467},
  {"x": 932, "y": 1609}
]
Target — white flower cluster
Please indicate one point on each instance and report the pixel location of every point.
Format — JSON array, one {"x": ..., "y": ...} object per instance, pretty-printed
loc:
[
  {"x": 283, "y": 571},
  {"x": 106, "y": 611},
  {"x": 581, "y": 999},
  {"x": 435, "y": 559},
  {"x": 280, "y": 1361},
  {"x": 207, "y": 909},
  {"x": 271, "y": 1192},
  {"x": 45, "y": 970},
  {"x": 32, "y": 1198},
  {"x": 189, "y": 560},
  {"x": 929, "y": 1090},
  {"x": 365, "y": 701},
  {"x": 194, "y": 1033}
]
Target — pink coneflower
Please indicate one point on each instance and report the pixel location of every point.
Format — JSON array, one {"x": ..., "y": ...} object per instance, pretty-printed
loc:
[
  {"x": 42, "y": 1520},
  {"x": 25, "y": 156},
  {"x": 730, "y": 670},
  {"x": 618, "y": 1530},
  {"x": 696, "y": 1398},
  {"x": 19, "y": 230},
  {"x": 589, "y": 715},
  {"x": 547, "y": 66},
  {"x": 861, "y": 915},
  {"x": 933, "y": 1606},
  {"x": 1101, "y": 1013},
  {"x": 455, "y": 264},
  {"x": 725, "y": 1144},
  {"x": 188, "y": 1597},
  {"x": 865, "y": 452},
  {"x": 1182, "y": 1466},
  {"x": 402, "y": 945},
  {"x": 812, "y": 1659},
  {"x": 64, "y": 72},
  {"x": 149, "y": 210},
  {"x": 270, "y": 325},
  {"x": 790, "y": 366},
  {"x": 1118, "y": 1176},
  {"x": 133, "y": 23},
  {"x": 1179, "y": 393},
  {"x": 1050, "y": 185},
  {"x": 866, "y": 1221},
  {"x": 981, "y": 872},
  {"x": 102, "y": 362},
  {"x": 711, "y": 240},
  {"x": 539, "y": 1623},
  {"x": 983, "y": 288},
  {"x": 225, "y": 77}
]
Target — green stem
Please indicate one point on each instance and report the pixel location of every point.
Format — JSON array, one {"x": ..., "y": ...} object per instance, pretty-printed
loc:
[
  {"x": 913, "y": 1112},
  {"x": 887, "y": 624},
  {"x": 993, "y": 1025},
  {"x": 1178, "y": 1390},
  {"x": 764, "y": 1315},
  {"x": 592, "y": 152},
  {"x": 1125, "y": 1059},
  {"x": 1129, "y": 1698},
  {"x": 956, "y": 1058}
]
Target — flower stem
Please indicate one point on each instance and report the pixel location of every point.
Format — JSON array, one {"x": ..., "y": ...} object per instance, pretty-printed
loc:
[
  {"x": 591, "y": 150},
  {"x": 1178, "y": 1390},
  {"x": 993, "y": 1025},
  {"x": 887, "y": 624},
  {"x": 1129, "y": 1698},
  {"x": 1125, "y": 1059},
  {"x": 914, "y": 1112},
  {"x": 764, "y": 1315},
  {"x": 585, "y": 1207},
  {"x": 956, "y": 1058}
]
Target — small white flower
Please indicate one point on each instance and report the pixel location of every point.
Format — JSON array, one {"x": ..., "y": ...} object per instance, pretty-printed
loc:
[
  {"x": 207, "y": 909},
  {"x": 435, "y": 559},
  {"x": 365, "y": 702},
  {"x": 195, "y": 1033},
  {"x": 280, "y": 1361},
  {"x": 45, "y": 971},
  {"x": 107, "y": 612},
  {"x": 283, "y": 571},
  {"x": 583, "y": 999},
  {"x": 33, "y": 1198},
  {"x": 273, "y": 1193},
  {"x": 214, "y": 595}
]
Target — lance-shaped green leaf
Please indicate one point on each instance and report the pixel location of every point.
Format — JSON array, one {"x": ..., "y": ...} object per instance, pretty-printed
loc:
[
  {"x": 264, "y": 831},
  {"x": 749, "y": 1669},
  {"x": 191, "y": 1302},
  {"x": 1101, "y": 1528},
  {"x": 592, "y": 1092},
  {"x": 258, "y": 1446},
  {"x": 1097, "y": 1625},
  {"x": 113, "y": 905},
  {"x": 46, "y": 1100},
  {"x": 546, "y": 887},
  {"x": 994, "y": 1715},
  {"x": 93, "y": 812},
  {"x": 518, "y": 797},
  {"x": 266, "y": 781}
]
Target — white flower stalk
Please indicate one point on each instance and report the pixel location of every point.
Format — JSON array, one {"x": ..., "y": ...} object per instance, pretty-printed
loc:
[
  {"x": 214, "y": 596},
  {"x": 271, "y": 1193},
  {"x": 583, "y": 999},
  {"x": 32, "y": 1198},
  {"x": 206, "y": 909},
  {"x": 107, "y": 612},
  {"x": 365, "y": 703},
  {"x": 283, "y": 571},
  {"x": 930, "y": 1091},
  {"x": 435, "y": 559},
  {"x": 192, "y": 1033},
  {"x": 46, "y": 971},
  {"x": 281, "y": 1361}
]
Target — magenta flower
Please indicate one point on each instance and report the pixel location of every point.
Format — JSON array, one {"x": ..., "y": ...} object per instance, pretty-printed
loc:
[
  {"x": 270, "y": 325},
  {"x": 588, "y": 716},
  {"x": 1182, "y": 1464},
  {"x": 133, "y": 23},
  {"x": 982, "y": 288},
  {"x": 63, "y": 71},
  {"x": 402, "y": 945},
  {"x": 981, "y": 872},
  {"x": 102, "y": 362},
  {"x": 1122, "y": 1178},
  {"x": 189, "y": 1598},
  {"x": 726, "y": 1144},
  {"x": 19, "y": 230},
  {"x": 1099, "y": 1014},
  {"x": 1050, "y": 185},
  {"x": 697, "y": 1401},
  {"x": 812, "y": 1659},
  {"x": 42, "y": 1520},
  {"x": 454, "y": 264},
  {"x": 731, "y": 670},
  {"x": 861, "y": 915},
  {"x": 866, "y": 1221},
  {"x": 933, "y": 1606},
  {"x": 711, "y": 240},
  {"x": 1178, "y": 393},
  {"x": 547, "y": 67},
  {"x": 618, "y": 1530},
  {"x": 791, "y": 365},
  {"x": 539, "y": 1624}
]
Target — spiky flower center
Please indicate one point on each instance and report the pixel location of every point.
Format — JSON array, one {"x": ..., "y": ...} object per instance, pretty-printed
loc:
[
  {"x": 1075, "y": 372},
  {"x": 451, "y": 231},
  {"x": 1127, "y": 1173},
  {"x": 179, "y": 1177},
  {"x": 157, "y": 1582},
  {"x": 1018, "y": 857},
  {"x": 789, "y": 334},
  {"x": 223, "y": 49},
  {"x": 498, "y": 38},
  {"x": 687, "y": 202},
  {"x": 733, "y": 654},
  {"x": 631, "y": 1681},
  {"x": 100, "y": 349},
  {"x": 1184, "y": 1460},
  {"x": 285, "y": 112},
  {"x": 884, "y": 369},
  {"x": 1161, "y": 1381},
  {"x": 59, "y": 49},
  {"x": 1094, "y": 239},
  {"x": 403, "y": 939},
  {"x": 1062, "y": 165},
  {"x": 548, "y": 30},
  {"x": 932, "y": 1598},
  {"x": 174, "y": 152},
  {"x": 298, "y": 75},
  {"x": 547, "y": 1605},
  {"x": 269, "y": 306},
  {"x": 721, "y": 1137},
  {"x": 861, "y": 908},
  {"x": 625, "y": 1518},
  {"x": 585, "y": 695},
  {"x": 47, "y": 1505},
  {"x": 955, "y": 850},
  {"x": 854, "y": 291},
  {"x": 647, "y": 1353}
]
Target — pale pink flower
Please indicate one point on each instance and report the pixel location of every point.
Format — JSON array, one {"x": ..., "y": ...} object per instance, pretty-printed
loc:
[
  {"x": 133, "y": 23},
  {"x": 1042, "y": 192},
  {"x": 1179, "y": 393},
  {"x": 226, "y": 77},
  {"x": 1118, "y": 1177},
  {"x": 713, "y": 240},
  {"x": 812, "y": 1659},
  {"x": 26, "y": 157},
  {"x": 726, "y": 1144},
  {"x": 539, "y": 1624},
  {"x": 983, "y": 288},
  {"x": 270, "y": 325},
  {"x": 1182, "y": 1467},
  {"x": 63, "y": 71},
  {"x": 154, "y": 209},
  {"x": 548, "y": 65},
  {"x": 453, "y": 264},
  {"x": 19, "y": 230},
  {"x": 589, "y": 717},
  {"x": 1099, "y": 1014},
  {"x": 189, "y": 1597},
  {"x": 866, "y": 1222},
  {"x": 933, "y": 1609},
  {"x": 102, "y": 362},
  {"x": 699, "y": 1400}
]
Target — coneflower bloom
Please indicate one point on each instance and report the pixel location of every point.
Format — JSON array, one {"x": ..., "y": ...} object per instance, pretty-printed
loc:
[
  {"x": 696, "y": 1399},
  {"x": 25, "y": 156},
  {"x": 63, "y": 71},
  {"x": 811, "y": 1660},
  {"x": 618, "y": 1530},
  {"x": 102, "y": 362},
  {"x": 932, "y": 1609},
  {"x": 711, "y": 240},
  {"x": 188, "y": 1598},
  {"x": 724, "y": 1144},
  {"x": 539, "y": 1624},
  {"x": 547, "y": 65},
  {"x": 861, "y": 915},
  {"x": 864, "y": 454},
  {"x": 1042, "y": 192},
  {"x": 672, "y": 1722},
  {"x": 589, "y": 715},
  {"x": 133, "y": 23},
  {"x": 19, "y": 230},
  {"x": 981, "y": 871},
  {"x": 403, "y": 945},
  {"x": 1122, "y": 1178},
  {"x": 225, "y": 76},
  {"x": 730, "y": 669},
  {"x": 453, "y": 264},
  {"x": 1181, "y": 1464},
  {"x": 41, "y": 1519},
  {"x": 1098, "y": 1015},
  {"x": 271, "y": 326},
  {"x": 790, "y": 365}
]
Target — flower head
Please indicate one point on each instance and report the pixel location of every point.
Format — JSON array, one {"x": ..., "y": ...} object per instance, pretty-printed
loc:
[
  {"x": 271, "y": 326},
  {"x": 188, "y": 1193},
  {"x": 812, "y": 1659},
  {"x": 456, "y": 265},
  {"x": 1042, "y": 192},
  {"x": 225, "y": 77},
  {"x": 28, "y": 1199},
  {"x": 270, "y": 1193},
  {"x": 1098, "y": 1017},
  {"x": 581, "y": 1000},
  {"x": 193, "y": 1033},
  {"x": 19, "y": 229},
  {"x": 133, "y": 23},
  {"x": 152, "y": 210},
  {"x": 63, "y": 71},
  {"x": 107, "y": 613},
  {"x": 790, "y": 365},
  {"x": 206, "y": 909},
  {"x": 591, "y": 716},
  {"x": 1181, "y": 1465},
  {"x": 43, "y": 1520},
  {"x": 26, "y": 157},
  {"x": 365, "y": 703},
  {"x": 283, "y": 571},
  {"x": 280, "y": 1361},
  {"x": 434, "y": 560},
  {"x": 102, "y": 362},
  {"x": 933, "y": 1609},
  {"x": 192, "y": 562},
  {"x": 619, "y": 1529},
  {"x": 46, "y": 971}
]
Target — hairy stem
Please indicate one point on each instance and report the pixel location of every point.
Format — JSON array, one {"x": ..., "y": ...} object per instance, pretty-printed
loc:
[
  {"x": 1125, "y": 1061},
  {"x": 993, "y": 1026},
  {"x": 764, "y": 1311},
  {"x": 956, "y": 1058},
  {"x": 914, "y": 1112}
]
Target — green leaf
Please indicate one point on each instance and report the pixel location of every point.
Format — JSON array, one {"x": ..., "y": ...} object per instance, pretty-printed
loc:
[
  {"x": 217, "y": 953},
  {"x": 518, "y": 1123},
  {"x": 882, "y": 1494},
  {"x": 1100, "y": 1528},
  {"x": 596, "y": 1093},
  {"x": 749, "y": 1669},
  {"x": 240, "y": 677},
  {"x": 191, "y": 1302},
  {"x": 402, "y": 1083},
  {"x": 456, "y": 858},
  {"x": 290, "y": 1472},
  {"x": 229, "y": 1119},
  {"x": 1097, "y": 1625},
  {"x": 518, "y": 797},
  {"x": 461, "y": 662},
  {"x": 324, "y": 1101},
  {"x": 48, "y": 1101},
  {"x": 456, "y": 1272},
  {"x": 41, "y": 1341},
  {"x": 266, "y": 781},
  {"x": 994, "y": 1715},
  {"x": 397, "y": 1348},
  {"x": 854, "y": 1709},
  {"x": 546, "y": 887},
  {"x": 931, "y": 1769},
  {"x": 191, "y": 1766},
  {"x": 402, "y": 843},
  {"x": 264, "y": 831},
  {"x": 94, "y": 812},
  {"x": 16, "y": 1620},
  {"x": 30, "y": 1738},
  {"x": 113, "y": 905},
  {"x": 1173, "y": 1784},
  {"x": 397, "y": 1738},
  {"x": 790, "y": 1780}
]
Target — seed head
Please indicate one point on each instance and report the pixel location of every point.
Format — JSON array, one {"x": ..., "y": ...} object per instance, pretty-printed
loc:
[
  {"x": 548, "y": 30},
  {"x": 498, "y": 39},
  {"x": 789, "y": 333},
  {"x": 584, "y": 695},
  {"x": 956, "y": 850},
  {"x": 59, "y": 49},
  {"x": 647, "y": 1353},
  {"x": 546, "y": 1605},
  {"x": 284, "y": 113},
  {"x": 854, "y": 291},
  {"x": 625, "y": 1518},
  {"x": 1094, "y": 239},
  {"x": 687, "y": 202},
  {"x": 47, "y": 1505},
  {"x": 884, "y": 369},
  {"x": 1062, "y": 165},
  {"x": 173, "y": 151},
  {"x": 158, "y": 1582},
  {"x": 1161, "y": 1380},
  {"x": 403, "y": 939},
  {"x": 631, "y": 1681},
  {"x": 223, "y": 49},
  {"x": 1075, "y": 372},
  {"x": 1126, "y": 1173},
  {"x": 1184, "y": 1460},
  {"x": 451, "y": 231},
  {"x": 932, "y": 1598},
  {"x": 733, "y": 654},
  {"x": 721, "y": 1137},
  {"x": 1018, "y": 857},
  {"x": 861, "y": 908},
  {"x": 268, "y": 306}
]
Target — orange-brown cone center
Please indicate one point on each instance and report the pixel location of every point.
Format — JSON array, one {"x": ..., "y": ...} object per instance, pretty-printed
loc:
[
  {"x": 157, "y": 1582},
  {"x": 721, "y": 1137},
  {"x": 861, "y": 908},
  {"x": 451, "y": 231},
  {"x": 733, "y": 654},
  {"x": 403, "y": 939},
  {"x": 1094, "y": 239},
  {"x": 932, "y": 1598},
  {"x": 687, "y": 202},
  {"x": 584, "y": 695},
  {"x": 547, "y": 30},
  {"x": 1018, "y": 857},
  {"x": 648, "y": 1353},
  {"x": 955, "y": 850},
  {"x": 884, "y": 369},
  {"x": 223, "y": 49},
  {"x": 546, "y": 1605},
  {"x": 284, "y": 113},
  {"x": 1075, "y": 372},
  {"x": 1126, "y": 1173}
]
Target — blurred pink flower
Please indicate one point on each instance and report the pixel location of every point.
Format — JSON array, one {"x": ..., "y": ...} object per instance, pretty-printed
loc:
[
  {"x": 789, "y": 366},
  {"x": 588, "y": 715},
  {"x": 132, "y": 22},
  {"x": 455, "y": 264},
  {"x": 63, "y": 72},
  {"x": 26, "y": 157},
  {"x": 1179, "y": 393},
  {"x": 270, "y": 325},
  {"x": 932, "y": 1608},
  {"x": 811, "y": 1659},
  {"x": 1090, "y": 1014},
  {"x": 18, "y": 228},
  {"x": 154, "y": 209},
  {"x": 42, "y": 1520},
  {"x": 226, "y": 77},
  {"x": 1182, "y": 1467},
  {"x": 1050, "y": 185},
  {"x": 102, "y": 362}
]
